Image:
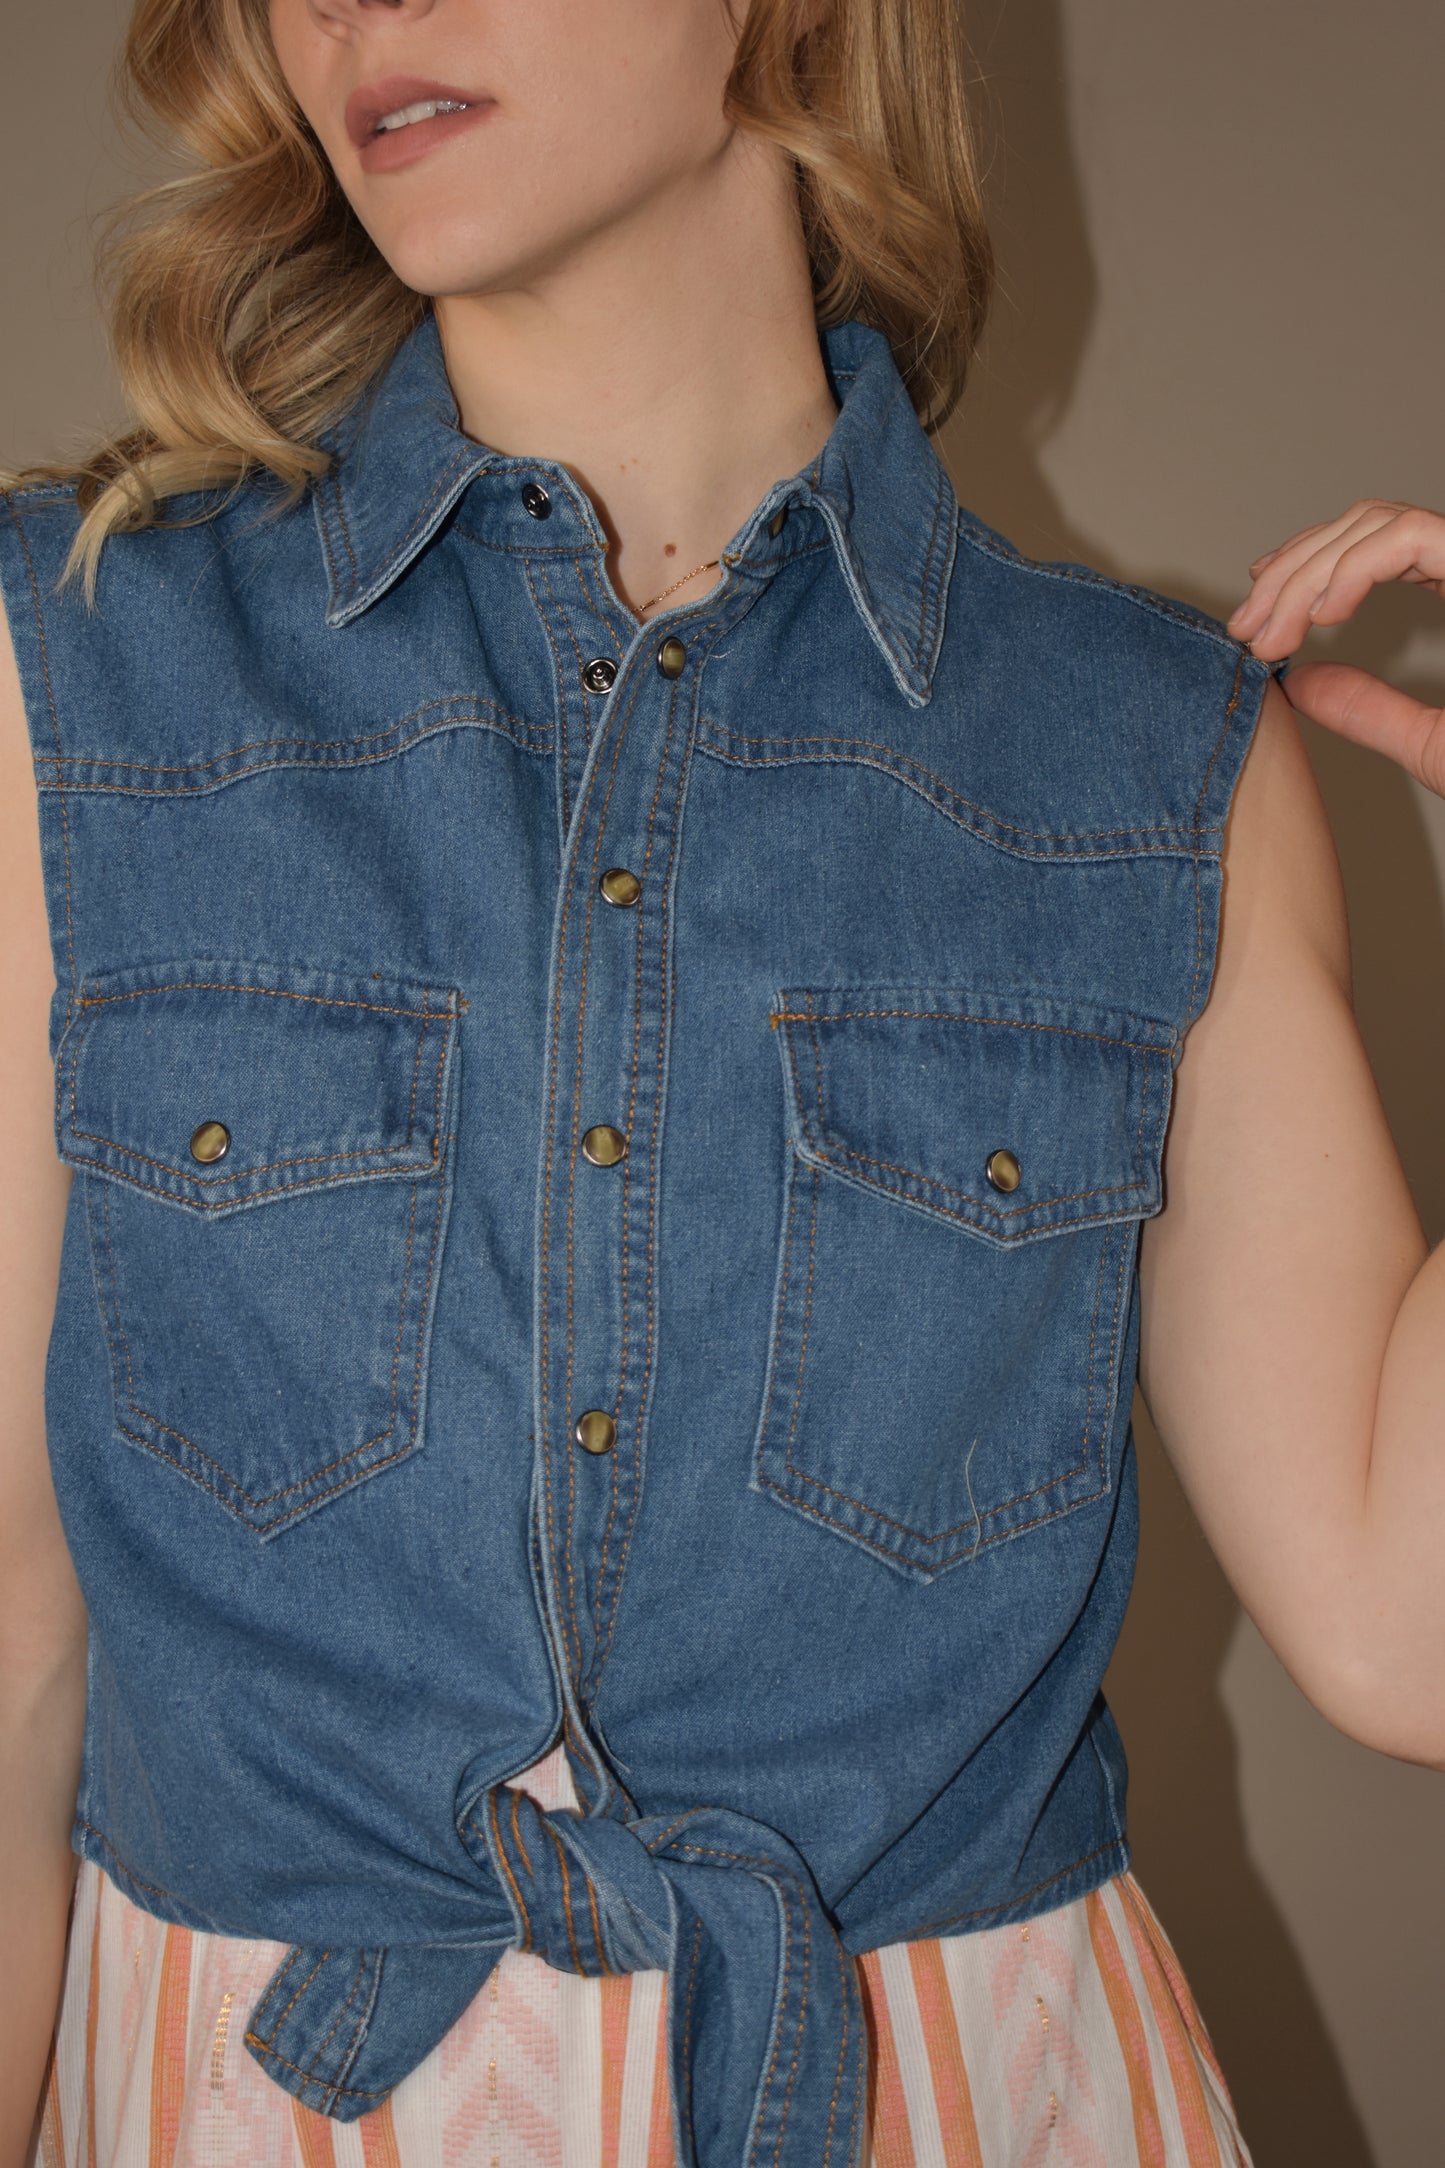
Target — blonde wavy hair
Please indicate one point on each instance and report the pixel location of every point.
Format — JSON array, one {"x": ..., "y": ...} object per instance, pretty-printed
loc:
[{"x": 248, "y": 307}]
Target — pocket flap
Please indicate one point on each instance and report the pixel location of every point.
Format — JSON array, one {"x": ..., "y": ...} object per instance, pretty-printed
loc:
[
  {"x": 917, "y": 1092},
  {"x": 313, "y": 1077}
]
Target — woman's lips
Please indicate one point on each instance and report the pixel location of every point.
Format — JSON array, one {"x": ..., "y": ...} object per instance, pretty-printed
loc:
[{"x": 385, "y": 151}]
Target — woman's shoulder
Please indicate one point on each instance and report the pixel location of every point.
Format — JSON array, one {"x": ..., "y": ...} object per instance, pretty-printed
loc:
[
  {"x": 1128, "y": 700},
  {"x": 201, "y": 548},
  {"x": 1066, "y": 597},
  {"x": 184, "y": 614}
]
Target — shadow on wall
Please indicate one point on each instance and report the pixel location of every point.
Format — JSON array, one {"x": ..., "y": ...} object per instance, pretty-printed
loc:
[{"x": 1190, "y": 1840}]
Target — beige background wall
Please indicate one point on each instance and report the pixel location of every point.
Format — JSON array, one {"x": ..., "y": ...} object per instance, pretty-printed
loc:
[{"x": 1223, "y": 316}]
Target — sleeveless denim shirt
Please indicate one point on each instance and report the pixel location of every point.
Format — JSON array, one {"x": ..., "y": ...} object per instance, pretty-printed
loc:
[{"x": 609, "y": 1167}]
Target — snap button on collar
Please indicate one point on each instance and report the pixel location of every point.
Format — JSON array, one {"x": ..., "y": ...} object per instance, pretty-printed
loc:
[{"x": 599, "y": 675}]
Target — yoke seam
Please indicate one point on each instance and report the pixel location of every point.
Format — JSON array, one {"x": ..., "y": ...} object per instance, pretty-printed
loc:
[
  {"x": 901, "y": 761},
  {"x": 1145, "y": 599},
  {"x": 475, "y": 701}
]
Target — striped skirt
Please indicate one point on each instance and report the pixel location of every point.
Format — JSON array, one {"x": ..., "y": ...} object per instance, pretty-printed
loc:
[{"x": 1070, "y": 2038}]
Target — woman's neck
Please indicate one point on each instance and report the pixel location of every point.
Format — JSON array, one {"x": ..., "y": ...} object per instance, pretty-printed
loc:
[{"x": 672, "y": 365}]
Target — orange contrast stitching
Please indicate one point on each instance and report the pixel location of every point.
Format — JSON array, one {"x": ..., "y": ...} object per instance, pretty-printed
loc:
[
  {"x": 602, "y": 1957},
  {"x": 337, "y": 2092},
  {"x": 934, "y": 1181},
  {"x": 153, "y": 1889},
  {"x": 802, "y": 2012},
  {"x": 942, "y": 489},
  {"x": 306, "y": 1504},
  {"x": 55, "y": 731},
  {"x": 522, "y": 1911},
  {"x": 244, "y": 1174},
  {"x": 687, "y": 2016},
  {"x": 357, "y": 1978},
  {"x": 843, "y": 1963},
  {"x": 984, "y": 1912},
  {"x": 919, "y": 1535},
  {"x": 661, "y": 887},
  {"x": 702, "y": 633},
  {"x": 281, "y": 993},
  {"x": 1229, "y": 715},
  {"x": 342, "y": 1460},
  {"x": 274, "y": 1189},
  {"x": 623, "y": 724},
  {"x": 517, "y": 1830},
  {"x": 951, "y": 1016},
  {"x": 438, "y": 490},
  {"x": 197, "y": 1182},
  {"x": 563, "y": 751},
  {"x": 721, "y": 734},
  {"x": 561, "y": 1851},
  {"x": 460, "y": 704},
  {"x": 334, "y": 477},
  {"x": 317, "y": 1967},
  {"x": 807, "y": 1322},
  {"x": 931, "y": 1181}
]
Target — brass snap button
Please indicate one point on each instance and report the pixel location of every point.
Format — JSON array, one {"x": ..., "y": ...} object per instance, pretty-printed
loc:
[
  {"x": 599, "y": 675},
  {"x": 672, "y": 657},
  {"x": 603, "y": 1145},
  {"x": 209, "y": 1142},
  {"x": 1004, "y": 1171},
  {"x": 775, "y": 524},
  {"x": 536, "y": 501},
  {"x": 619, "y": 886},
  {"x": 595, "y": 1431}
]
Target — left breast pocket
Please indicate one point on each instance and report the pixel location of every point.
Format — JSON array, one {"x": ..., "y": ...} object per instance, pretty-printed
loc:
[
  {"x": 965, "y": 1180},
  {"x": 267, "y": 1169}
]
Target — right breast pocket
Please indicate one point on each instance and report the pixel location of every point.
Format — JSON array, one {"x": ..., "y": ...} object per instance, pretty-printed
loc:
[
  {"x": 267, "y": 1167},
  {"x": 966, "y": 1176}
]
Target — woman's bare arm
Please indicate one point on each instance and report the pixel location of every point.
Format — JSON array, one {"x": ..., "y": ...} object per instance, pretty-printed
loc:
[
  {"x": 42, "y": 1619},
  {"x": 1293, "y": 1324}
]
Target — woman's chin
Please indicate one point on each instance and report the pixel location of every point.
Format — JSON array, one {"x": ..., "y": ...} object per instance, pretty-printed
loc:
[{"x": 434, "y": 262}]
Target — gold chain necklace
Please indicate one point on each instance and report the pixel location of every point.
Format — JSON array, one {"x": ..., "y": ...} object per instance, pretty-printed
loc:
[{"x": 710, "y": 566}]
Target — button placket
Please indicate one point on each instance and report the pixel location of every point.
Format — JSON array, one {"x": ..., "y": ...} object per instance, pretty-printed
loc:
[
  {"x": 583, "y": 641},
  {"x": 610, "y": 1001}
]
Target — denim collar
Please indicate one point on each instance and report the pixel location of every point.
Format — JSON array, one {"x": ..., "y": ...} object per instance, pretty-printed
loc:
[{"x": 401, "y": 461}]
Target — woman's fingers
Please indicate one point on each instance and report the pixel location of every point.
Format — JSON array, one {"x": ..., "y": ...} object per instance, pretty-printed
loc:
[
  {"x": 1359, "y": 706},
  {"x": 1320, "y": 577},
  {"x": 1330, "y": 586},
  {"x": 1325, "y": 583},
  {"x": 1277, "y": 566},
  {"x": 1411, "y": 547},
  {"x": 1298, "y": 546},
  {"x": 1298, "y": 571}
]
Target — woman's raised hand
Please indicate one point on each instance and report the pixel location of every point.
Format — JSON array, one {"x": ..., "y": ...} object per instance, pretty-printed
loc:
[{"x": 1320, "y": 577}]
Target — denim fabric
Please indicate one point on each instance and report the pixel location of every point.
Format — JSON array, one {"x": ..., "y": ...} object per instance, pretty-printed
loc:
[{"x": 928, "y": 840}]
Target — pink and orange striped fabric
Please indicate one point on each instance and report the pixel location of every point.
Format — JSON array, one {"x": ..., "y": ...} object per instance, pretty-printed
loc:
[{"x": 1071, "y": 2038}]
